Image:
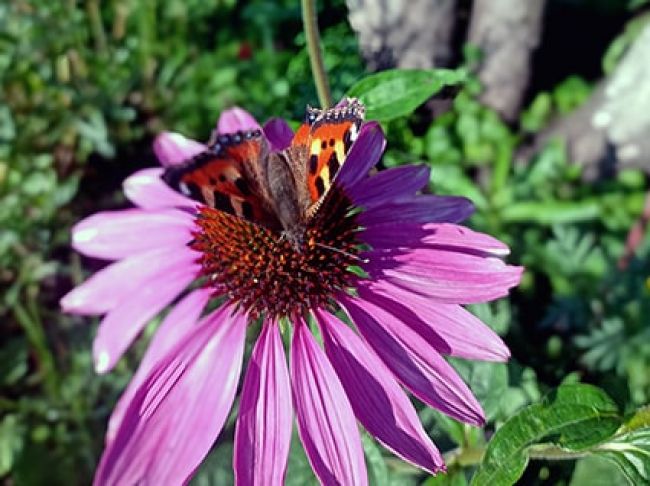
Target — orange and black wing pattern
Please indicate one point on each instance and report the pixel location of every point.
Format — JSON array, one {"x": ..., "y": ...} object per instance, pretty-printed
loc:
[
  {"x": 221, "y": 177},
  {"x": 328, "y": 136}
]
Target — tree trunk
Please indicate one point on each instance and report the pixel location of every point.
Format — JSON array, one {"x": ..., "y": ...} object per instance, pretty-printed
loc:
[
  {"x": 610, "y": 131},
  {"x": 403, "y": 33},
  {"x": 507, "y": 32}
]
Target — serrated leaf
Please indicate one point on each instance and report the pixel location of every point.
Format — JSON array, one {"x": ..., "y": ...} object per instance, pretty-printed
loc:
[
  {"x": 488, "y": 382},
  {"x": 573, "y": 417},
  {"x": 398, "y": 92}
]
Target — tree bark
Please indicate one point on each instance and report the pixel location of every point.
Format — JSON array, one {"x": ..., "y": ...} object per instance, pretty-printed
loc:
[
  {"x": 404, "y": 33},
  {"x": 610, "y": 130},
  {"x": 507, "y": 32}
]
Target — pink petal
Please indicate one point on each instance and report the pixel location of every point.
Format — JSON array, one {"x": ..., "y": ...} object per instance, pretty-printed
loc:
[
  {"x": 147, "y": 190},
  {"x": 378, "y": 401},
  {"x": 236, "y": 119},
  {"x": 363, "y": 156},
  {"x": 114, "y": 235},
  {"x": 121, "y": 280},
  {"x": 447, "y": 327},
  {"x": 446, "y": 276},
  {"x": 178, "y": 412},
  {"x": 389, "y": 185},
  {"x": 122, "y": 324},
  {"x": 278, "y": 133},
  {"x": 172, "y": 148},
  {"x": 424, "y": 208},
  {"x": 414, "y": 362},
  {"x": 179, "y": 322},
  {"x": 444, "y": 236},
  {"x": 263, "y": 433},
  {"x": 326, "y": 423}
]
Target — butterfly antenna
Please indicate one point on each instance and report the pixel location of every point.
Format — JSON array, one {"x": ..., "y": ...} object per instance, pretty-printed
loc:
[{"x": 338, "y": 250}]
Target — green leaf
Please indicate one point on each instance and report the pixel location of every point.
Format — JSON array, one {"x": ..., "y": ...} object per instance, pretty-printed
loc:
[
  {"x": 398, "y": 92},
  {"x": 299, "y": 471},
  {"x": 552, "y": 212},
  {"x": 11, "y": 442},
  {"x": 640, "y": 419},
  {"x": 631, "y": 453},
  {"x": 596, "y": 471},
  {"x": 574, "y": 417},
  {"x": 488, "y": 382},
  {"x": 621, "y": 44},
  {"x": 377, "y": 470},
  {"x": 452, "y": 478},
  {"x": 216, "y": 468},
  {"x": 630, "y": 450},
  {"x": 13, "y": 361}
]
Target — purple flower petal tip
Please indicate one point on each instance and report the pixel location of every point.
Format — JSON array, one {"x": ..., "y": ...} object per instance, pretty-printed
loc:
[
  {"x": 236, "y": 119},
  {"x": 278, "y": 133},
  {"x": 147, "y": 190},
  {"x": 172, "y": 148}
]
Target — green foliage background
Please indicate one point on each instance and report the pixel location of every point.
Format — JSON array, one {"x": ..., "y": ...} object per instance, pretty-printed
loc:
[{"x": 86, "y": 85}]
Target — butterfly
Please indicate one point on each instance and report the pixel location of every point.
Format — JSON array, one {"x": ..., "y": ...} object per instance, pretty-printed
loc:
[{"x": 281, "y": 190}]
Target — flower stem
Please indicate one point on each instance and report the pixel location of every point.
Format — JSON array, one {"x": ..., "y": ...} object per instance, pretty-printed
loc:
[
  {"x": 310, "y": 24},
  {"x": 96, "y": 27},
  {"x": 33, "y": 328}
]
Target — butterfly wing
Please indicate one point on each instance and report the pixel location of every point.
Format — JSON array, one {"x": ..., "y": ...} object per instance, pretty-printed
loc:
[
  {"x": 226, "y": 176},
  {"x": 327, "y": 136}
]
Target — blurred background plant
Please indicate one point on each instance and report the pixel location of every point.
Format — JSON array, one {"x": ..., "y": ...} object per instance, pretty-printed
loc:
[{"x": 85, "y": 85}]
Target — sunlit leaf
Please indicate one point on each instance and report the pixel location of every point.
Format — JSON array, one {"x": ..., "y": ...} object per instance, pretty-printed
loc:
[
  {"x": 398, "y": 92},
  {"x": 631, "y": 452},
  {"x": 11, "y": 442}
]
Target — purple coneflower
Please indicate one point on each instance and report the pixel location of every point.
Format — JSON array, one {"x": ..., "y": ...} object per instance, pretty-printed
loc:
[{"x": 393, "y": 262}]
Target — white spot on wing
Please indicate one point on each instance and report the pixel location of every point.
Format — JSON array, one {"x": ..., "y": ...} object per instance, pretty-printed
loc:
[{"x": 354, "y": 132}]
